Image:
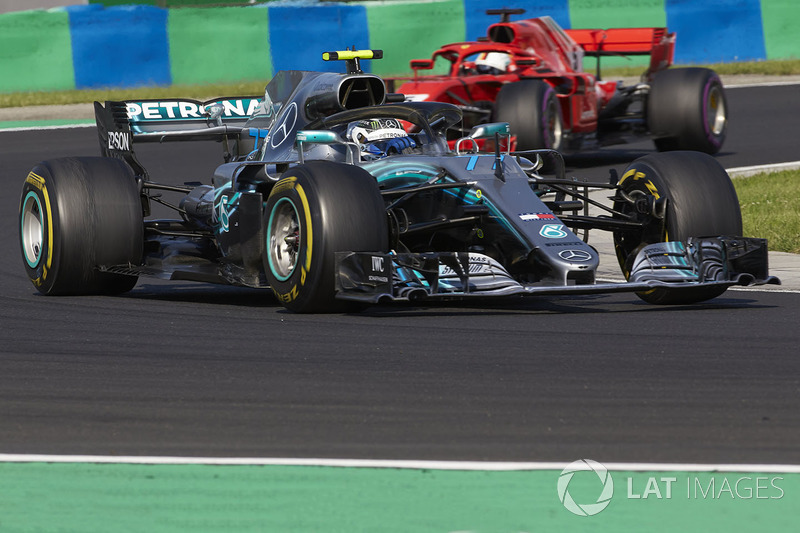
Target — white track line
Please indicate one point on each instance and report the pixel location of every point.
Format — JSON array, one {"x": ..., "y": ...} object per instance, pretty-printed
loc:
[
  {"x": 763, "y": 84},
  {"x": 741, "y": 172},
  {"x": 44, "y": 128},
  {"x": 387, "y": 463}
]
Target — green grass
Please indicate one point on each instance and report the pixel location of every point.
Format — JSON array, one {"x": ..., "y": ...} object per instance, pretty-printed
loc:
[
  {"x": 771, "y": 208},
  {"x": 201, "y": 92},
  {"x": 784, "y": 67}
]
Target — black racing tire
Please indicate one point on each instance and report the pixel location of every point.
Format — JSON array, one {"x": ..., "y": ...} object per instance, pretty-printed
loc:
[
  {"x": 76, "y": 214},
  {"x": 700, "y": 202},
  {"x": 532, "y": 111},
  {"x": 315, "y": 210},
  {"x": 687, "y": 110}
]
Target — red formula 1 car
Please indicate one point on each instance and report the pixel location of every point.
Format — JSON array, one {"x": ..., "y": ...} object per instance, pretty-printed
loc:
[{"x": 529, "y": 73}]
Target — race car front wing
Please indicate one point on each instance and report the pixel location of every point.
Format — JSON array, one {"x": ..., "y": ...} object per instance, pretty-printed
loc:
[{"x": 699, "y": 263}]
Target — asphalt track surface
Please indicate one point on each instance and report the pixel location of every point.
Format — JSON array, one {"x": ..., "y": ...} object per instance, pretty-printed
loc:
[{"x": 188, "y": 369}]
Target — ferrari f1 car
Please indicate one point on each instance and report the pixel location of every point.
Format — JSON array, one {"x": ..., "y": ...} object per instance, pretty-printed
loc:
[
  {"x": 335, "y": 194},
  {"x": 529, "y": 73}
]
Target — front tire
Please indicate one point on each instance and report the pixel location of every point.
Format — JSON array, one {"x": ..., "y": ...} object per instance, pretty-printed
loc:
[
  {"x": 532, "y": 110},
  {"x": 314, "y": 211},
  {"x": 687, "y": 110},
  {"x": 700, "y": 202},
  {"x": 77, "y": 214}
]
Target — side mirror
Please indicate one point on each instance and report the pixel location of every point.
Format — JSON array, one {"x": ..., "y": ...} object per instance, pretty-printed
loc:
[
  {"x": 489, "y": 130},
  {"x": 325, "y": 137},
  {"x": 485, "y": 131},
  {"x": 422, "y": 64},
  {"x": 317, "y": 137}
]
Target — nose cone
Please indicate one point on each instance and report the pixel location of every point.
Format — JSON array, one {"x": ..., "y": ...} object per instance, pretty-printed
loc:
[{"x": 574, "y": 263}]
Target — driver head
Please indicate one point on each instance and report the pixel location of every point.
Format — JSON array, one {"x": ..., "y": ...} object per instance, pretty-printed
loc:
[
  {"x": 492, "y": 63},
  {"x": 376, "y": 129}
]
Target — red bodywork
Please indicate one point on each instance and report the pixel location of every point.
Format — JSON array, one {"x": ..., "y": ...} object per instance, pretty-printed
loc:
[{"x": 539, "y": 49}]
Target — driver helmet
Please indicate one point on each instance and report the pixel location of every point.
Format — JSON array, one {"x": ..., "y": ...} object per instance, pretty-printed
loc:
[
  {"x": 492, "y": 63},
  {"x": 376, "y": 129}
]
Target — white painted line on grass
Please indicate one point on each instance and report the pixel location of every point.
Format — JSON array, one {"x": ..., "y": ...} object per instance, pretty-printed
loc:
[
  {"x": 763, "y": 288},
  {"x": 389, "y": 463},
  {"x": 45, "y": 128},
  {"x": 741, "y": 172},
  {"x": 762, "y": 84}
]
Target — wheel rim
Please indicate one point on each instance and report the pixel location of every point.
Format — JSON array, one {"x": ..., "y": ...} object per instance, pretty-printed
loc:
[
  {"x": 32, "y": 230},
  {"x": 283, "y": 239},
  {"x": 715, "y": 105},
  {"x": 627, "y": 246},
  {"x": 553, "y": 124}
]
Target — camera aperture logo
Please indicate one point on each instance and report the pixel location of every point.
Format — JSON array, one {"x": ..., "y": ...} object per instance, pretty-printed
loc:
[
  {"x": 585, "y": 487},
  {"x": 605, "y": 487}
]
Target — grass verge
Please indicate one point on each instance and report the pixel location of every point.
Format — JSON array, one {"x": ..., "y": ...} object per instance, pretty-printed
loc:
[
  {"x": 771, "y": 208},
  {"x": 256, "y": 87},
  {"x": 783, "y": 67},
  {"x": 199, "y": 92}
]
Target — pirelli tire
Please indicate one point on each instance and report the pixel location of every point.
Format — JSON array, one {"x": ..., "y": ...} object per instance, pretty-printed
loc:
[
  {"x": 78, "y": 214},
  {"x": 687, "y": 110},
  {"x": 532, "y": 111},
  {"x": 696, "y": 198},
  {"x": 314, "y": 211}
]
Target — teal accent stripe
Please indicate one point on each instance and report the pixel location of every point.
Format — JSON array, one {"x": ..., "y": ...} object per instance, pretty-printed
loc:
[
  {"x": 42, "y": 223},
  {"x": 472, "y": 162}
]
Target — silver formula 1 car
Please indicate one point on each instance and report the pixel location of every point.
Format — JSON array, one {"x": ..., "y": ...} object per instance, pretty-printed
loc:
[{"x": 335, "y": 194}]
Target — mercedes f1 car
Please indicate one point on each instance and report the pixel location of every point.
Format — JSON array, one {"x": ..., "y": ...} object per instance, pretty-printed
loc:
[
  {"x": 334, "y": 193},
  {"x": 530, "y": 74}
]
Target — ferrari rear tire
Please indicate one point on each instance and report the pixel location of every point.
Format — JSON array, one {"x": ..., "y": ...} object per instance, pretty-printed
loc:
[
  {"x": 700, "y": 202},
  {"x": 687, "y": 110},
  {"x": 532, "y": 110},
  {"x": 78, "y": 214},
  {"x": 314, "y": 211}
]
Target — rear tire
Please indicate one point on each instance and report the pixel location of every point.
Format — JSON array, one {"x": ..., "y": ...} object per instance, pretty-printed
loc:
[
  {"x": 77, "y": 214},
  {"x": 532, "y": 110},
  {"x": 315, "y": 210},
  {"x": 701, "y": 202},
  {"x": 687, "y": 110}
]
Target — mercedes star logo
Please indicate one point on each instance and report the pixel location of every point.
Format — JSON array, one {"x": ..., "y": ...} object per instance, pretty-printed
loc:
[
  {"x": 281, "y": 132},
  {"x": 575, "y": 255}
]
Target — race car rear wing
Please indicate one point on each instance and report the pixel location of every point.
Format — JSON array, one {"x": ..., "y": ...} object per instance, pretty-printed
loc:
[
  {"x": 658, "y": 43},
  {"x": 120, "y": 124}
]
